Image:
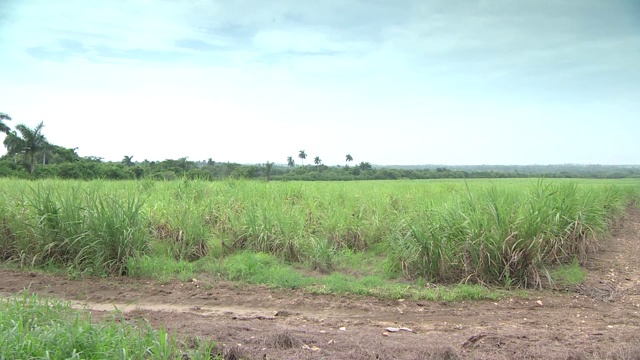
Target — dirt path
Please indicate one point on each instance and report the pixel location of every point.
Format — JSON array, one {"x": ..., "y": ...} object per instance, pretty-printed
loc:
[{"x": 600, "y": 320}]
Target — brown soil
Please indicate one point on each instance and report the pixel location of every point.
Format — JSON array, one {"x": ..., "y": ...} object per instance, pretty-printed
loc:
[{"x": 598, "y": 319}]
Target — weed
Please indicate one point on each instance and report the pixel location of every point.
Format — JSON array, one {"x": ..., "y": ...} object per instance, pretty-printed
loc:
[{"x": 569, "y": 274}]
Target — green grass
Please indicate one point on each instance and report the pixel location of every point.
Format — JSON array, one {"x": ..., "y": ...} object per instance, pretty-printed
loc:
[
  {"x": 32, "y": 327},
  {"x": 499, "y": 232},
  {"x": 261, "y": 268},
  {"x": 161, "y": 267},
  {"x": 570, "y": 274}
]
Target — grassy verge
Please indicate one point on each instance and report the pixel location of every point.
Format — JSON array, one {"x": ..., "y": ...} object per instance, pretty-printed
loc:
[
  {"x": 261, "y": 268},
  {"x": 32, "y": 327}
]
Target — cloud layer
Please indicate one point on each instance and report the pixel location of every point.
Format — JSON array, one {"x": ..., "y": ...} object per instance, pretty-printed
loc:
[{"x": 397, "y": 82}]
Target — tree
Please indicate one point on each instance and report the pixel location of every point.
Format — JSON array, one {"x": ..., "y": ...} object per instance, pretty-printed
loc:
[
  {"x": 348, "y": 158},
  {"x": 29, "y": 142},
  {"x": 47, "y": 152},
  {"x": 4, "y": 127},
  {"x": 13, "y": 144},
  {"x": 61, "y": 154},
  {"x": 365, "y": 166},
  {"x": 183, "y": 163},
  {"x": 290, "y": 161},
  {"x": 268, "y": 166},
  {"x": 97, "y": 159},
  {"x": 302, "y": 155},
  {"x": 317, "y": 161},
  {"x": 127, "y": 160}
]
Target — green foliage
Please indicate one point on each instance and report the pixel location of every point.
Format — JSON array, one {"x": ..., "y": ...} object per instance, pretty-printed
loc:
[
  {"x": 302, "y": 155},
  {"x": 502, "y": 236},
  {"x": 321, "y": 253},
  {"x": 75, "y": 227},
  {"x": 28, "y": 147},
  {"x": 244, "y": 172},
  {"x": 64, "y": 163},
  {"x": 10, "y": 168},
  {"x": 28, "y": 142},
  {"x": 160, "y": 266},
  {"x": 4, "y": 128},
  {"x": 127, "y": 160},
  {"x": 569, "y": 274},
  {"x": 348, "y": 158},
  {"x": 262, "y": 268},
  {"x": 504, "y": 232},
  {"x": 32, "y": 327},
  {"x": 375, "y": 286},
  {"x": 290, "y": 161},
  {"x": 185, "y": 232}
]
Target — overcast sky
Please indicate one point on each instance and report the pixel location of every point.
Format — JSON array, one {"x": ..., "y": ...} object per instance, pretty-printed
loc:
[{"x": 390, "y": 82}]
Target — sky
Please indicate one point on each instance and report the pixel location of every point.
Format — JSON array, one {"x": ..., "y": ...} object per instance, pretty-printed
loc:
[{"x": 390, "y": 82}]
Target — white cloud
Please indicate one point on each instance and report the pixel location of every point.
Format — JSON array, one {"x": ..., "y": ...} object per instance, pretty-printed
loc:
[{"x": 250, "y": 81}]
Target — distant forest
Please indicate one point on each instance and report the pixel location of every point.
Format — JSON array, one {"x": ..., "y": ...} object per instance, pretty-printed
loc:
[
  {"x": 31, "y": 156},
  {"x": 64, "y": 163}
]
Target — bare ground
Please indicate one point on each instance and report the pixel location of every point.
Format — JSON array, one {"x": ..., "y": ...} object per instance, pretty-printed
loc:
[{"x": 599, "y": 319}]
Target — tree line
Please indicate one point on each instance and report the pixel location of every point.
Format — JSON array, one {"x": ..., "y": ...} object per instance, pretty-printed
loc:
[
  {"x": 302, "y": 154},
  {"x": 30, "y": 155}
]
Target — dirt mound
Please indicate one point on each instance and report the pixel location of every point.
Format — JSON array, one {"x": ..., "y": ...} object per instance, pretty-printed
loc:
[{"x": 600, "y": 320}]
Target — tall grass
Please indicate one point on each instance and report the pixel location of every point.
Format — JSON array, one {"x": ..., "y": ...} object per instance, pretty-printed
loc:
[
  {"x": 504, "y": 236},
  {"x": 502, "y": 231},
  {"x": 73, "y": 227}
]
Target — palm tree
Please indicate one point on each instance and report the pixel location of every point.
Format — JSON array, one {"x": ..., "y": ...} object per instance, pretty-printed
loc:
[
  {"x": 47, "y": 153},
  {"x": 290, "y": 161},
  {"x": 183, "y": 163},
  {"x": 317, "y": 161},
  {"x": 29, "y": 142},
  {"x": 4, "y": 127},
  {"x": 348, "y": 158},
  {"x": 127, "y": 160},
  {"x": 302, "y": 155},
  {"x": 13, "y": 144}
]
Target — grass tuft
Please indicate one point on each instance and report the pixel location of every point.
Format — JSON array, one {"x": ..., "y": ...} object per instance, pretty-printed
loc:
[
  {"x": 284, "y": 340},
  {"x": 569, "y": 274}
]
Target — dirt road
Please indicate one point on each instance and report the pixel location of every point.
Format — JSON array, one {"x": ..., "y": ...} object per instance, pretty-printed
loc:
[{"x": 601, "y": 319}]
